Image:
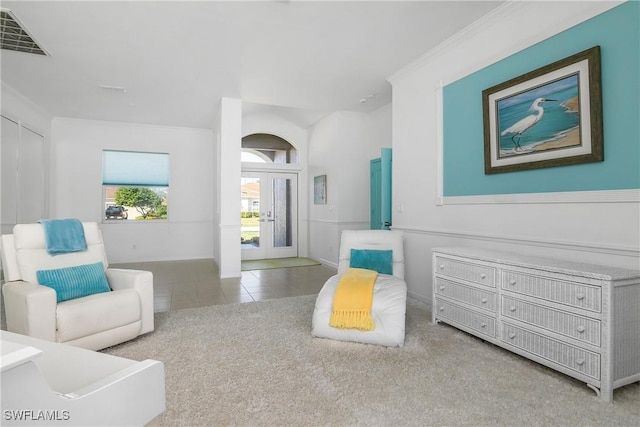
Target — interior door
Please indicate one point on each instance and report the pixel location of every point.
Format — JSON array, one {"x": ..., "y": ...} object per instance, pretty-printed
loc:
[
  {"x": 269, "y": 215},
  {"x": 385, "y": 197},
  {"x": 375, "y": 194},
  {"x": 22, "y": 185},
  {"x": 380, "y": 191}
]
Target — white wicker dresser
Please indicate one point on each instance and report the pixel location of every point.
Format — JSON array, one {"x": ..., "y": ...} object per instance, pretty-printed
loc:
[{"x": 580, "y": 319}]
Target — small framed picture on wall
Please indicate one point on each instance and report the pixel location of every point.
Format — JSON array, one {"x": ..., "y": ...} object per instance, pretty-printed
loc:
[{"x": 320, "y": 190}]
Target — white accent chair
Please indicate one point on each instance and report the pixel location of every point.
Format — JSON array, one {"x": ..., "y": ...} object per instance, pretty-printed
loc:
[
  {"x": 93, "y": 322},
  {"x": 389, "y": 292}
]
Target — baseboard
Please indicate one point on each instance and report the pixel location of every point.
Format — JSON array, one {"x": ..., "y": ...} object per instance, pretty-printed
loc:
[
  {"x": 420, "y": 298},
  {"x": 325, "y": 262}
]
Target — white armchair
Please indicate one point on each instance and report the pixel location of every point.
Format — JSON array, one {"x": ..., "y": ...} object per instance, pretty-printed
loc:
[{"x": 94, "y": 322}]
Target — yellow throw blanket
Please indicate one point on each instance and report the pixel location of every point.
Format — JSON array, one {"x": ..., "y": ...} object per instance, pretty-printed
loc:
[{"x": 353, "y": 299}]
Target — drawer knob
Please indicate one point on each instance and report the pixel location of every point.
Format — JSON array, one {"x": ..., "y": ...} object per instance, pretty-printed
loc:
[
  {"x": 483, "y": 325},
  {"x": 581, "y": 329},
  {"x": 483, "y": 276},
  {"x": 580, "y": 362},
  {"x": 512, "y": 282},
  {"x": 441, "y": 266},
  {"x": 484, "y": 300},
  {"x": 441, "y": 308},
  {"x": 512, "y": 335},
  {"x": 512, "y": 308},
  {"x": 580, "y": 296},
  {"x": 442, "y": 288}
]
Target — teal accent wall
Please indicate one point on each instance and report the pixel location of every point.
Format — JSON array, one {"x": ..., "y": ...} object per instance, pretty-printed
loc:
[{"x": 617, "y": 32}]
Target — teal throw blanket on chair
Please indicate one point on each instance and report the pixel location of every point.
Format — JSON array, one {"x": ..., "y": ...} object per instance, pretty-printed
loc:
[{"x": 64, "y": 235}]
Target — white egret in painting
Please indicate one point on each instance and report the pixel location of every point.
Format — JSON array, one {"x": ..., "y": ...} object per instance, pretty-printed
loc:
[{"x": 523, "y": 125}]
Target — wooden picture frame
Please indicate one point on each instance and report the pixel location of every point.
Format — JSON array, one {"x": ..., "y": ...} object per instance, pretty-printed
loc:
[{"x": 548, "y": 117}]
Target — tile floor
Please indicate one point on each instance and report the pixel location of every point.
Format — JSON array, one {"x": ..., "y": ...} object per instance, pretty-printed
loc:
[{"x": 195, "y": 283}]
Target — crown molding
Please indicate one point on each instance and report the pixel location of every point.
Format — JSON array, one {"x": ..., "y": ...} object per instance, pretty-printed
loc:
[{"x": 502, "y": 13}]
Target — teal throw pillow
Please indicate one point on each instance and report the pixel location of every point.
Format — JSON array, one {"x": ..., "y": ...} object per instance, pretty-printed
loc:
[
  {"x": 75, "y": 282},
  {"x": 372, "y": 259}
]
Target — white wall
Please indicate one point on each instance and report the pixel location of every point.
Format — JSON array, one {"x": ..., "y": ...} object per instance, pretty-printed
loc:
[
  {"x": 602, "y": 232},
  {"x": 77, "y": 187},
  {"x": 341, "y": 146}
]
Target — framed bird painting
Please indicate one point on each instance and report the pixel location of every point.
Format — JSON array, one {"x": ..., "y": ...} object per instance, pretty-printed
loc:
[{"x": 548, "y": 117}]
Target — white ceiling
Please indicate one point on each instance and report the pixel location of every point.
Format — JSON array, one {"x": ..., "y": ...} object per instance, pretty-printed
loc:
[{"x": 176, "y": 59}]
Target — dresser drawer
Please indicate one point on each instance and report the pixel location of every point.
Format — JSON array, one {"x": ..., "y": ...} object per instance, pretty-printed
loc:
[
  {"x": 574, "y": 358},
  {"x": 570, "y": 293},
  {"x": 475, "y": 273},
  {"x": 476, "y": 296},
  {"x": 571, "y": 325},
  {"x": 484, "y": 325}
]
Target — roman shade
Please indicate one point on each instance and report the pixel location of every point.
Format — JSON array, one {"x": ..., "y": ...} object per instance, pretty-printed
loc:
[{"x": 127, "y": 168}]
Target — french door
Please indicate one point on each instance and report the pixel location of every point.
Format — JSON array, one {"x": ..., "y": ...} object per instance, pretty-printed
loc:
[{"x": 269, "y": 215}]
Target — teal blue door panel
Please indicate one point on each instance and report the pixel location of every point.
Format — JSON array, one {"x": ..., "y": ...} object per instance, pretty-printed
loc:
[
  {"x": 375, "y": 186},
  {"x": 387, "y": 162},
  {"x": 380, "y": 190}
]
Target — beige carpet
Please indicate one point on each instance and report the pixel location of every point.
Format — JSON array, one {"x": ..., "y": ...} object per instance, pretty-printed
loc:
[
  {"x": 256, "y": 364},
  {"x": 265, "y": 264}
]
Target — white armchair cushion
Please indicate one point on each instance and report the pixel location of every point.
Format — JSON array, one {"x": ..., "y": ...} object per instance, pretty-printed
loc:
[{"x": 78, "y": 318}]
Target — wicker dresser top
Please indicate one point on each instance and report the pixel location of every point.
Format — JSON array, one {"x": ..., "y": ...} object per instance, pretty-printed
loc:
[{"x": 592, "y": 271}]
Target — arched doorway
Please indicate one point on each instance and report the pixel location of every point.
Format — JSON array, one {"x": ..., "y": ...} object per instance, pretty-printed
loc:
[{"x": 269, "y": 194}]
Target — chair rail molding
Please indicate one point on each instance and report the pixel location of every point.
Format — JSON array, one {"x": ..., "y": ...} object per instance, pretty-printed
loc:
[
  {"x": 340, "y": 223},
  {"x": 618, "y": 250},
  {"x": 595, "y": 196}
]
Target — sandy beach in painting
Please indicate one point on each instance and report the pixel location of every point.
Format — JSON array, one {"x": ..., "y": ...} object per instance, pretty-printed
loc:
[
  {"x": 572, "y": 105},
  {"x": 568, "y": 139}
]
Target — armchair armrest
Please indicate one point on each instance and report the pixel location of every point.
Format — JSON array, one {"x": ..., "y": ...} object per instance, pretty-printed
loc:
[
  {"x": 142, "y": 282},
  {"x": 30, "y": 309}
]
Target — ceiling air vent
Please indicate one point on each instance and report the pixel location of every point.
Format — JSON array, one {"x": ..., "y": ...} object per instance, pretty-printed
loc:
[{"x": 14, "y": 36}]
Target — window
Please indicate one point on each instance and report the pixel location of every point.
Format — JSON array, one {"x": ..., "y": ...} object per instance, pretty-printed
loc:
[
  {"x": 135, "y": 185},
  {"x": 267, "y": 148},
  {"x": 254, "y": 156}
]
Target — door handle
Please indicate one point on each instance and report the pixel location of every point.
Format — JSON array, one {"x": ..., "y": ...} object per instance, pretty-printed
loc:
[{"x": 266, "y": 214}]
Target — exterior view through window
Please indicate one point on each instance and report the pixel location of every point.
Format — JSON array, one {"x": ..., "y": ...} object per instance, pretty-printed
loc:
[{"x": 135, "y": 185}]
